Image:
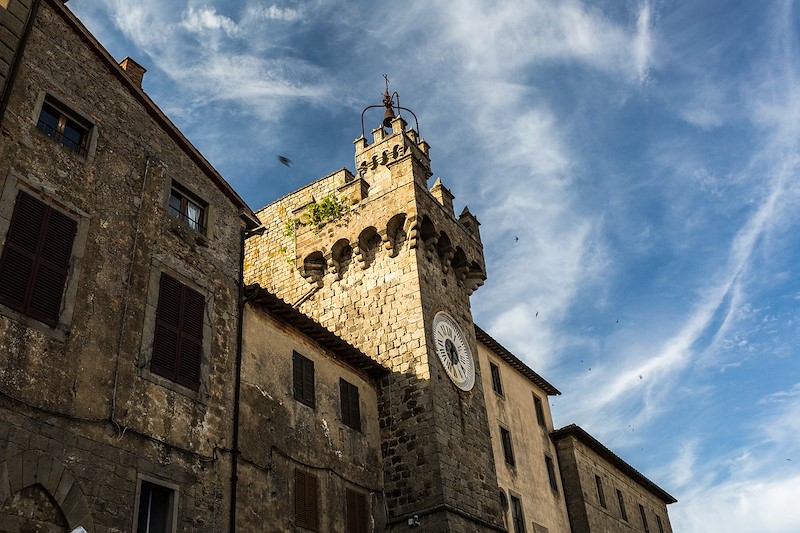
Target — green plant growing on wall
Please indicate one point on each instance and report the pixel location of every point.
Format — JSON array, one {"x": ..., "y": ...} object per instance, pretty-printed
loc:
[
  {"x": 317, "y": 214},
  {"x": 326, "y": 210}
]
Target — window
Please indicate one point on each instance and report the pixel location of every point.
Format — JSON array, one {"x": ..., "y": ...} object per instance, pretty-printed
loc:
[
  {"x": 306, "y": 512},
  {"x": 644, "y": 519},
  {"x": 621, "y": 501},
  {"x": 600, "y": 496},
  {"x": 64, "y": 126},
  {"x": 537, "y": 405},
  {"x": 35, "y": 259},
  {"x": 517, "y": 517},
  {"x": 508, "y": 450},
  {"x": 178, "y": 342},
  {"x": 303, "y": 377},
  {"x": 660, "y": 525},
  {"x": 155, "y": 510},
  {"x": 357, "y": 512},
  {"x": 351, "y": 411},
  {"x": 497, "y": 385},
  {"x": 187, "y": 208},
  {"x": 551, "y": 472}
]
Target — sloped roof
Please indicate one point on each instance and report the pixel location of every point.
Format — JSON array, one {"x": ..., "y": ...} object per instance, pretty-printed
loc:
[
  {"x": 328, "y": 340},
  {"x": 598, "y": 448},
  {"x": 155, "y": 112},
  {"x": 515, "y": 362}
]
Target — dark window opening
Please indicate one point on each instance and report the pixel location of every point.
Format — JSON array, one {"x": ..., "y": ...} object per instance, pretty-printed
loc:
[
  {"x": 551, "y": 472},
  {"x": 517, "y": 517},
  {"x": 178, "y": 342},
  {"x": 660, "y": 525},
  {"x": 621, "y": 501},
  {"x": 303, "y": 378},
  {"x": 351, "y": 410},
  {"x": 357, "y": 512},
  {"x": 644, "y": 519},
  {"x": 600, "y": 495},
  {"x": 497, "y": 385},
  {"x": 187, "y": 208},
  {"x": 35, "y": 260},
  {"x": 539, "y": 408},
  {"x": 61, "y": 125},
  {"x": 155, "y": 508},
  {"x": 306, "y": 510},
  {"x": 508, "y": 450}
]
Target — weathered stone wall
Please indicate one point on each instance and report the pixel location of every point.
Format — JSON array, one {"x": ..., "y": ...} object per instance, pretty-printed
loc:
[
  {"x": 579, "y": 465},
  {"x": 279, "y": 433},
  {"x": 82, "y": 391},
  {"x": 528, "y": 478},
  {"x": 13, "y": 17}
]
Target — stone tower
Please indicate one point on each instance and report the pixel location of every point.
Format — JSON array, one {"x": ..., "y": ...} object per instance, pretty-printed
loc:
[{"x": 374, "y": 256}]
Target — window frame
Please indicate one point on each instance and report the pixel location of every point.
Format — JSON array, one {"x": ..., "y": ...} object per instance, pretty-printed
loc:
[
  {"x": 497, "y": 383},
  {"x": 621, "y": 501},
  {"x": 350, "y": 404},
  {"x": 598, "y": 482},
  {"x": 517, "y": 514},
  {"x": 36, "y": 276},
  {"x": 186, "y": 197},
  {"x": 303, "y": 380},
  {"x": 188, "y": 332},
  {"x": 306, "y": 500},
  {"x": 65, "y": 115},
  {"x": 174, "y": 495},
  {"x": 550, "y": 465},
  {"x": 356, "y": 511},
  {"x": 177, "y": 269},
  {"x": 660, "y": 524},
  {"x": 538, "y": 407},
  {"x": 643, "y": 516},
  {"x": 14, "y": 184},
  {"x": 508, "y": 446}
]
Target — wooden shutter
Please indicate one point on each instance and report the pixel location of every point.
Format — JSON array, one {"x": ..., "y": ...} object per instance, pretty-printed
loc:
[
  {"x": 357, "y": 512},
  {"x": 305, "y": 500},
  {"x": 178, "y": 342},
  {"x": 303, "y": 379},
  {"x": 351, "y": 410},
  {"x": 35, "y": 260}
]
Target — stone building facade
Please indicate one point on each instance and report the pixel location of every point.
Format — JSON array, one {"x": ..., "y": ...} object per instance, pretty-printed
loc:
[
  {"x": 145, "y": 387},
  {"x": 603, "y": 492},
  {"x": 118, "y": 294},
  {"x": 525, "y": 456}
]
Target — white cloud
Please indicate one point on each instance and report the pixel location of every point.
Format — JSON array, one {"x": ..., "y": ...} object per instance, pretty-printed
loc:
[
  {"x": 273, "y": 12},
  {"x": 780, "y": 396},
  {"x": 206, "y": 18}
]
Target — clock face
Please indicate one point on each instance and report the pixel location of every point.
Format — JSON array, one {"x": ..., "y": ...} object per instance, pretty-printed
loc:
[{"x": 453, "y": 351}]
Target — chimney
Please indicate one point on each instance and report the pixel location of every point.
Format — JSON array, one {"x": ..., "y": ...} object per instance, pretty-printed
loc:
[{"x": 134, "y": 70}]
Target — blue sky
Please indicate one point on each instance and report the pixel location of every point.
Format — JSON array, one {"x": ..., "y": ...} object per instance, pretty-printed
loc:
[{"x": 646, "y": 154}]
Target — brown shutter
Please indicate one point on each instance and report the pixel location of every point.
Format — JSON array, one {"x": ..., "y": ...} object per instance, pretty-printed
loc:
[
  {"x": 178, "y": 342},
  {"x": 305, "y": 500},
  {"x": 351, "y": 410},
  {"x": 35, "y": 260},
  {"x": 303, "y": 379},
  {"x": 357, "y": 518}
]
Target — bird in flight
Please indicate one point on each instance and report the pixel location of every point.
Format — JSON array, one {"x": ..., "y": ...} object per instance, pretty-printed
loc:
[{"x": 285, "y": 160}]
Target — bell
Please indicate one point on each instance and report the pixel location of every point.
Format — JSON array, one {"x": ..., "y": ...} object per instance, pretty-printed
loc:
[{"x": 388, "y": 116}]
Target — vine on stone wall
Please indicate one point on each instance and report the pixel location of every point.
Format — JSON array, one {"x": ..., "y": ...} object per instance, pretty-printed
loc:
[{"x": 318, "y": 214}]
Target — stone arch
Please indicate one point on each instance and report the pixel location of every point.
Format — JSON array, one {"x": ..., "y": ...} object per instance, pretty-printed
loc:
[
  {"x": 342, "y": 256},
  {"x": 445, "y": 251},
  {"x": 36, "y": 475},
  {"x": 314, "y": 267},
  {"x": 396, "y": 233},
  {"x": 475, "y": 277},
  {"x": 459, "y": 264},
  {"x": 368, "y": 243}
]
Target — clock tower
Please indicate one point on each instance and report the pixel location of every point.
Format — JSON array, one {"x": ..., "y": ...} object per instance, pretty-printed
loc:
[{"x": 380, "y": 258}]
